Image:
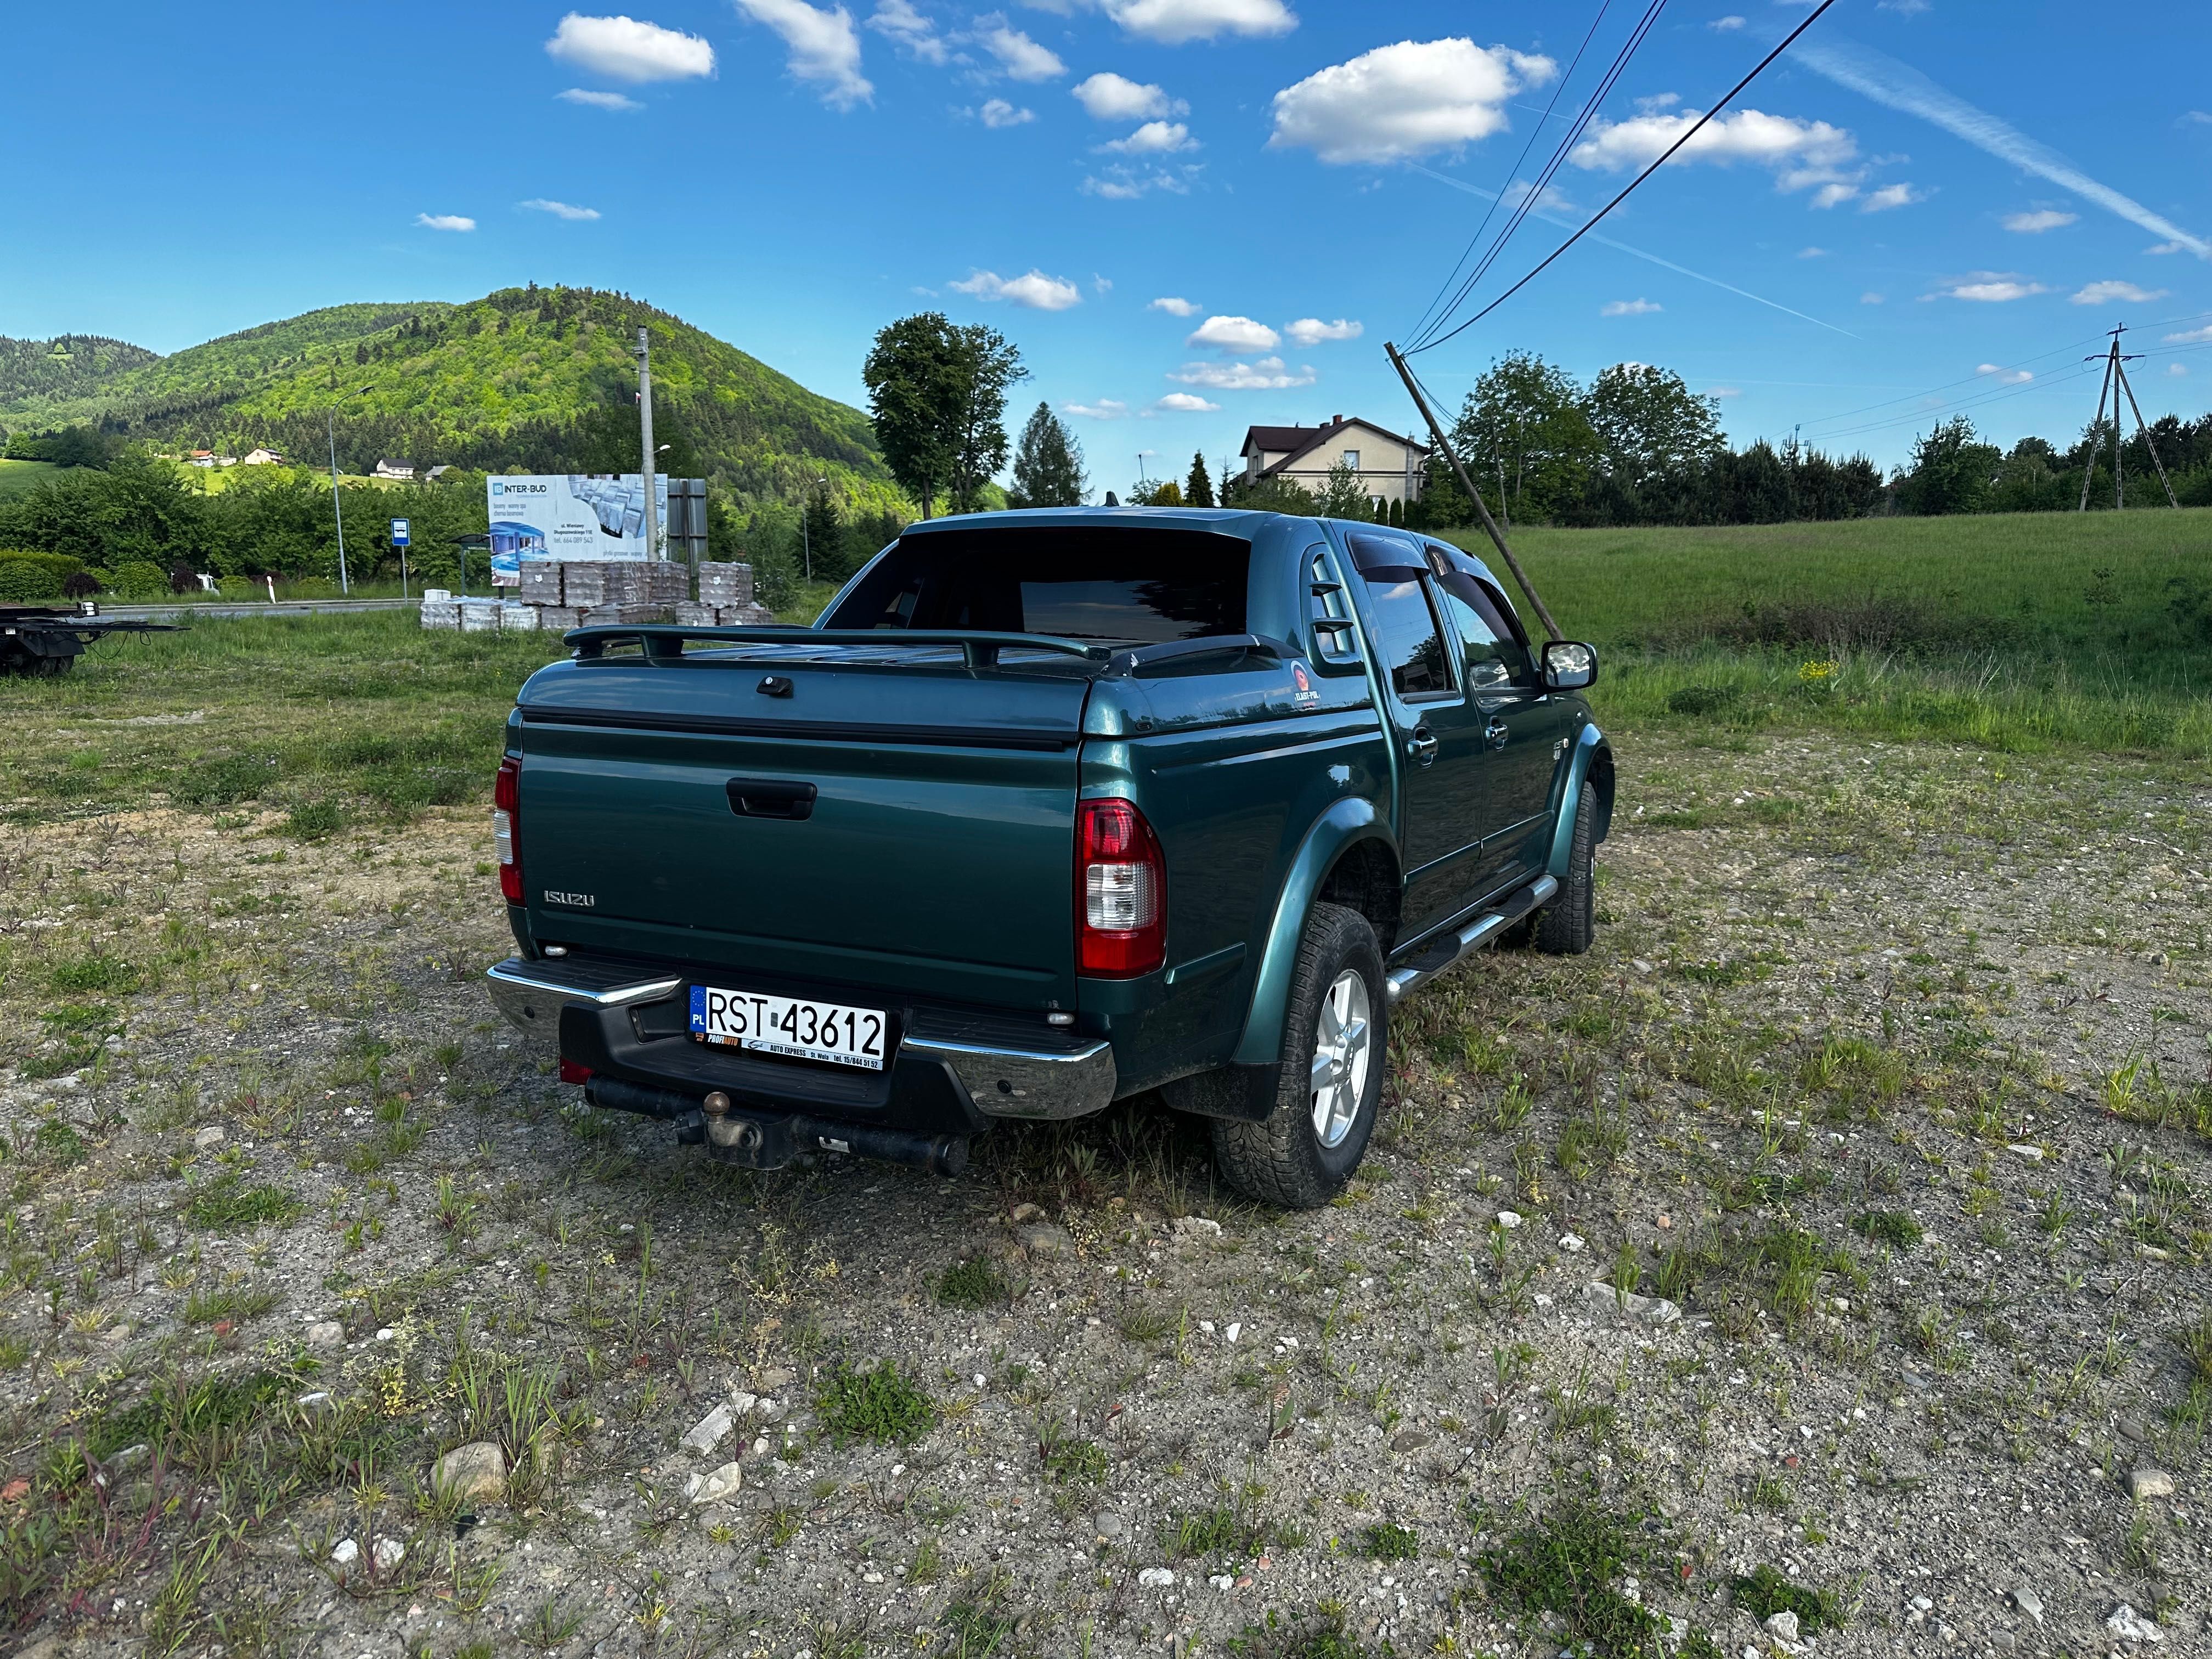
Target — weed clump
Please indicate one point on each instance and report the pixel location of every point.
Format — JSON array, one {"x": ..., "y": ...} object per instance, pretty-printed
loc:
[
  {"x": 227, "y": 1204},
  {"x": 1388, "y": 1541},
  {"x": 1887, "y": 1227},
  {"x": 99, "y": 972},
  {"x": 1567, "y": 1563},
  {"x": 1322, "y": 1636},
  {"x": 880, "y": 1404},
  {"x": 316, "y": 820},
  {"x": 972, "y": 1284},
  {"x": 1767, "y": 1592}
]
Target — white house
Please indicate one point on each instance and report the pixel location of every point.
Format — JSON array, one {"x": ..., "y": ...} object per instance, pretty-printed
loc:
[
  {"x": 1389, "y": 465},
  {"x": 395, "y": 470},
  {"x": 264, "y": 458}
]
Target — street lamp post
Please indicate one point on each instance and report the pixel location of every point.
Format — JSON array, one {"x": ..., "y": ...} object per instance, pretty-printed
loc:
[{"x": 331, "y": 422}]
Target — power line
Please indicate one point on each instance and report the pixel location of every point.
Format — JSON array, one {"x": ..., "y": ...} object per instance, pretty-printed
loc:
[
  {"x": 1697, "y": 127},
  {"x": 1978, "y": 376}
]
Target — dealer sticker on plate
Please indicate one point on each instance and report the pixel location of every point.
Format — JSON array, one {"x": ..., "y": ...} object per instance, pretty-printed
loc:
[{"x": 789, "y": 1025}]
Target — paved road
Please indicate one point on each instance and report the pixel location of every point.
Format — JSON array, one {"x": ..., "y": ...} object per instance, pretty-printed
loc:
[{"x": 261, "y": 608}]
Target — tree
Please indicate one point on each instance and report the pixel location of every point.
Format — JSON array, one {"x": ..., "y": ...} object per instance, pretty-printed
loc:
[
  {"x": 938, "y": 395},
  {"x": 1343, "y": 495},
  {"x": 1198, "y": 489},
  {"x": 1165, "y": 493},
  {"x": 1952, "y": 470},
  {"x": 1047, "y": 465},
  {"x": 1656, "y": 434},
  {"x": 824, "y": 541},
  {"x": 1523, "y": 429}
]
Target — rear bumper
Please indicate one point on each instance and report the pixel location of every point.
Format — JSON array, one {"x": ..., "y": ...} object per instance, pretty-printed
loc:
[{"x": 954, "y": 1070}]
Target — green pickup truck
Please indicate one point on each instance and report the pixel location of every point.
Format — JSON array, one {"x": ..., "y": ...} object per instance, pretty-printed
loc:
[{"x": 1047, "y": 809}]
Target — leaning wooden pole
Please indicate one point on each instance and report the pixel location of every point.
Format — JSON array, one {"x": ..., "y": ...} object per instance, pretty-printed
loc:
[
  {"x": 1489, "y": 524},
  {"x": 2149, "y": 443}
]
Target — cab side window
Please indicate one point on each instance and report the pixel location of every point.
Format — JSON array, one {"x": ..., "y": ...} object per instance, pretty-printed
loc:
[
  {"x": 1408, "y": 644},
  {"x": 1495, "y": 653}
]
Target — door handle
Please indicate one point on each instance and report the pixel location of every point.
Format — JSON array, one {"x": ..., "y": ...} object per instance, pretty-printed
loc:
[
  {"x": 1421, "y": 747},
  {"x": 1497, "y": 732}
]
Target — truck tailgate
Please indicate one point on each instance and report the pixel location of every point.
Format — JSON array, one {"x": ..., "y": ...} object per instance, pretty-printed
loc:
[{"x": 891, "y": 822}]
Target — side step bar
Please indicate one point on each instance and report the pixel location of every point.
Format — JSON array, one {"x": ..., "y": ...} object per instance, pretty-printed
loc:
[{"x": 1483, "y": 930}]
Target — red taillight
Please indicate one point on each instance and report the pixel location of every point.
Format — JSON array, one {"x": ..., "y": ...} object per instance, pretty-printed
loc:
[
  {"x": 1121, "y": 892},
  {"x": 507, "y": 827},
  {"x": 572, "y": 1072}
]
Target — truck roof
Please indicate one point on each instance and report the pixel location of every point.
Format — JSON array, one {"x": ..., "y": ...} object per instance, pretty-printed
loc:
[{"x": 1216, "y": 520}]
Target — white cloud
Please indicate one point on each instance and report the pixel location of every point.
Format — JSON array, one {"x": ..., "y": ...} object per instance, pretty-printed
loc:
[
  {"x": 1154, "y": 138},
  {"x": 1022, "y": 58},
  {"x": 1036, "y": 291},
  {"x": 558, "y": 209},
  {"x": 1726, "y": 25},
  {"x": 1123, "y": 183},
  {"x": 606, "y": 100},
  {"x": 1186, "y": 403},
  {"x": 1174, "y": 305},
  {"x": 998, "y": 112},
  {"x": 1406, "y": 100},
  {"x": 1100, "y": 284},
  {"x": 1990, "y": 287},
  {"x": 1657, "y": 102},
  {"x": 1832, "y": 194},
  {"x": 1812, "y": 253},
  {"x": 1722, "y": 392},
  {"x": 2104, "y": 293},
  {"x": 2193, "y": 336},
  {"x": 901, "y": 22},
  {"x": 2005, "y": 376},
  {"x": 2029, "y": 224},
  {"x": 1312, "y": 331},
  {"x": 1238, "y": 335},
  {"x": 1264, "y": 375},
  {"x": 1870, "y": 298},
  {"x": 824, "y": 46},
  {"x": 2177, "y": 369},
  {"x": 2166, "y": 247},
  {"x": 1173, "y": 22},
  {"x": 2195, "y": 118},
  {"x": 624, "y": 49},
  {"x": 1903, "y": 8},
  {"x": 1891, "y": 196},
  {"x": 1629, "y": 307},
  {"x": 1108, "y": 97},
  {"x": 1801, "y": 153},
  {"x": 445, "y": 222},
  {"x": 1106, "y": 409}
]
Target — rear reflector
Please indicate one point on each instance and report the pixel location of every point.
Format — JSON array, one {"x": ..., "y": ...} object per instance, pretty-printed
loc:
[
  {"x": 572, "y": 1072},
  {"x": 507, "y": 827},
  {"x": 1121, "y": 892}
]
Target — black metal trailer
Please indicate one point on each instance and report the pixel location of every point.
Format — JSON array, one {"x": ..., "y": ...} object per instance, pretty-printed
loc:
[{"x": 47, "y": 640}]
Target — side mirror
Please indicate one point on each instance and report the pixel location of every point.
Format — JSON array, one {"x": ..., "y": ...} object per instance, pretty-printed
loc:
[{"x": 1569, "y": 666}]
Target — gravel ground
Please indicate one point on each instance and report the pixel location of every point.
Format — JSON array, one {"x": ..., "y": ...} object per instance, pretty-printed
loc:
[{"x": 1833, "y": 1238}]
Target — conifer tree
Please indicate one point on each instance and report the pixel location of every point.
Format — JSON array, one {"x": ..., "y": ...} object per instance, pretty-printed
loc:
[
  {"x": 1198, "y": 489},
  {"x": 1047, "y": 464}
]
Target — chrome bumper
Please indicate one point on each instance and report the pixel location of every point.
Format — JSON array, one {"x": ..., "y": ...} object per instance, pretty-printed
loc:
[
  {"x": 1009, "y": 1069},
  {"x": 531, "y": 994}
]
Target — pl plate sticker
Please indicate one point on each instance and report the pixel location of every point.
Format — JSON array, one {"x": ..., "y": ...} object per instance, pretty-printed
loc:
[{"x": 1305, "y": 696}]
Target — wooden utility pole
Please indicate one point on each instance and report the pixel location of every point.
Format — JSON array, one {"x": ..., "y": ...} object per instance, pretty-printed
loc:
[
  {"x": 2115, "y": 383},
  {"x": 1482, "y": 510}
]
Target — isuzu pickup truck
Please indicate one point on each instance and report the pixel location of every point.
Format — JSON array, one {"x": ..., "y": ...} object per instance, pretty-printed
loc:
[{"x": 1048, "y": 809}]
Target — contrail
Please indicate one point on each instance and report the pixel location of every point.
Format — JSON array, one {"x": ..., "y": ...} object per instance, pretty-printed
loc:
[
  {"x": 1492, "y": 196},
  {"x": 1900, "y": 87}
]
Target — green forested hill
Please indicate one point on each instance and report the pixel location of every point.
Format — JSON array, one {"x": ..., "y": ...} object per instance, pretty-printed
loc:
[
  {"x": 524, "y": 379},
  {"x": 66, "y": 367}
]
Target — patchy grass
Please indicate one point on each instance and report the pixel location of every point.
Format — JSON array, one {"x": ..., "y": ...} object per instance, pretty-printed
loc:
[
  {"x": 1388, "y": 1541},
  {"x": 1569, "y": 1564},
  {"x": 1887, "y": 1227},
  {"x": 973, "y": 1283},
  {"x": 1767, "y": 1591},
  {"x": 227, "y": 1204}
]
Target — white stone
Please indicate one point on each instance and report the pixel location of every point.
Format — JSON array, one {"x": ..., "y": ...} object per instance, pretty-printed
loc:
[
  {"x": 210, "y": 1136},
  {"x": 1573, "y": 1244},
  {"x": 388, "y": 1553},
  {"x": 1197, "y": 1227},
  {"x": 1509, "y": 1219},
  {"x": 325, "y": 1334},
  {"x": 2032, "y": 1154},
  {"x": 741, "y": 1402},
  {"x": 1222, "y": 1581},
  {"x": 711, "y": 1430},
  {"x": 314, "y": 1404},
  {"x": 2149, "y": 1482},
  {"x": 1233, "y": 1331},
  {"x": 1655, "y": 1310},
  {"x": 714, "y": 1485},
  {"x": 470, "y": 1474},
  {"x": 1782, "y": 1625},
  {"x": 1156, "y": 1578},
  {"x": 2028, "y": 1602},
  {"x": 345, "y": 1553},
  {"x": 2129, "y": 1626}
]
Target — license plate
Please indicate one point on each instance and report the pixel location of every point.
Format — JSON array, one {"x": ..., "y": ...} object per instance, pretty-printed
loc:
[{"x": 789, "y": 1025}]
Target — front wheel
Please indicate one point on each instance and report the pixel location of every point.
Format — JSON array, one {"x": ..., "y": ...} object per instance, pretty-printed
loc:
[
  {"x": 1566, "y": 927},
  {"x": 1336, "y": 1039}
]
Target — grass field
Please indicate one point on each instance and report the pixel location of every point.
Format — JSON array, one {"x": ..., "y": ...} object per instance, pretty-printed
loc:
[{"x": 16, "y": 477}]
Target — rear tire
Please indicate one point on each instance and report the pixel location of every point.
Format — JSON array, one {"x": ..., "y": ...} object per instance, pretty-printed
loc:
[
  {"x": 1566, "y": 927},
  {"x": 1335, "y": 1045}
]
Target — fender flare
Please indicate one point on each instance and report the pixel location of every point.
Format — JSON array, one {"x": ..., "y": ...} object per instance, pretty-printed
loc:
[
  {"x": 1347, "y": 821},
  {"x": 1591, "y": 766}
]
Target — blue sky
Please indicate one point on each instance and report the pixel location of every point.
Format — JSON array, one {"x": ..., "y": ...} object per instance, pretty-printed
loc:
[{"x": 1191, "y": 215}]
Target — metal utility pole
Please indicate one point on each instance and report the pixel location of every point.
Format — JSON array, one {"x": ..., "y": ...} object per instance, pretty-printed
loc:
[
  {"x": 331, "y": 422},
  {"x": 1482, "y": 510},
  {"x": 644, "y": 419},
  {"x": 2116, "y": 384}
]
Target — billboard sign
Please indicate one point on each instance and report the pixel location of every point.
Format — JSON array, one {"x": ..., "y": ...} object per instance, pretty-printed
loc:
[{"x": 574, "y": 515}]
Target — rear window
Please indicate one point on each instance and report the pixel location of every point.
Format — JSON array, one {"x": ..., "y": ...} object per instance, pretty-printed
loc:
[{"x": 1137, "y": 587}]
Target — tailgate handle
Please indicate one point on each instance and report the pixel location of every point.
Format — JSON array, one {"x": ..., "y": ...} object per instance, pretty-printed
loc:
[{"x": 770, "y": 798}]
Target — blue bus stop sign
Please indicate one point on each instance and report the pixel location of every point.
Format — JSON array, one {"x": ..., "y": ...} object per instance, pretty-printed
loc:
[{"x": 399, "y": 532}]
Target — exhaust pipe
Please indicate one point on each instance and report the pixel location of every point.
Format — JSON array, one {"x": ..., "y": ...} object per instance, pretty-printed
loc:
[{"x": 760, "y": 1140}]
